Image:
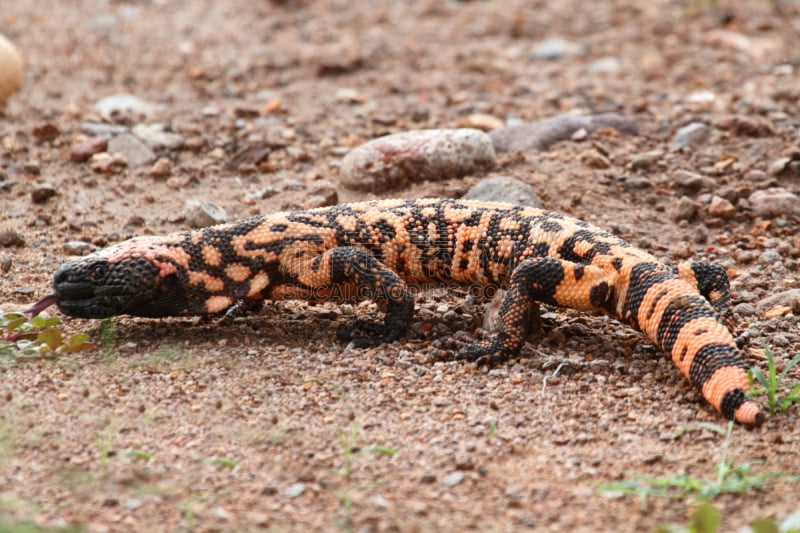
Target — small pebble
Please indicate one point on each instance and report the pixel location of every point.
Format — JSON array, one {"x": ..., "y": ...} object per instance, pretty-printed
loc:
[
  {"x": 685, "y": 209},
  {"x": 101, "y": 129},
  {"x": 84, "y": 150},
  {"x": 204, "y": 214},
  {"x": 111, "y": 106},
  {"x": 693, "y": 181},
  {"x": 692, "y": 135},
  {"x": 105, "y": 163},
  {"x": 349, "y": 96},
  {"x": 453, "y": 479},
  {"x": 136, "y": 152},
  {"x": 745, "y": 126},
  {"x": 744, "y": 309},
  {"x": 594, "y": 159},
  {"x": 294, "y": 490},
  {"x": 42, "y": 192},
  {"x": 504, "y": 189},
  {"x": 10, "y": 238},
  {"x": 77, "y": 247},
  {"x": 720, "y": 207},
  {"x": 646, "y": 161},
  {"x": 161, "y": 168},
  {"x": 158, "y": 137},
  {"x": 556, "y": 48},
  {"x": 45, "y": 132},
  {"x": 605, "y": 65}
]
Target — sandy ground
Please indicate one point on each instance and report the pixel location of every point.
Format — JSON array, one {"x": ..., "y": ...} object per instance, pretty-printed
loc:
[{"x": 181, "y": 425}]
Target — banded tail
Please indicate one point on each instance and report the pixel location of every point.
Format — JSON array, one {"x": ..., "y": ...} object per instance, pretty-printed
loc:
[{"x": 685, "y": 325}]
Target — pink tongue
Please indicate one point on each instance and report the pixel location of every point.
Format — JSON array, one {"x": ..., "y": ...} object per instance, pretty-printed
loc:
[{"x": 42, "y": 304}]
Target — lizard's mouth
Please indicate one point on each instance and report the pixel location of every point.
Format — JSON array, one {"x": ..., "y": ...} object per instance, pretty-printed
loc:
[{"x": 76, "y": 299}]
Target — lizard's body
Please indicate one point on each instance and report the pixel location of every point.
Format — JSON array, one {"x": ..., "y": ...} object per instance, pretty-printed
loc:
[{"x": 373, "y": 250}]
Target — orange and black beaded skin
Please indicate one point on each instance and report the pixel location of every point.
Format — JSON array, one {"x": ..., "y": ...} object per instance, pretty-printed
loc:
[{"x": 376, "y": 250}]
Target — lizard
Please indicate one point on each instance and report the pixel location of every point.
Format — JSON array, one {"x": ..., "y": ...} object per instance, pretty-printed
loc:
[{"x": 379, "y": 250}]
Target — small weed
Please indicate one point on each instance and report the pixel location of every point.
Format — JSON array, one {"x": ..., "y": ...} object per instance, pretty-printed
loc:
[
  {"x": 188, "y": 515},
  {"x": 105, "y": 449},
  {"x": 108, "y": 340},
  {"x": 348, "y": 439},
  {"x": 493, "y": 428},
  {"x": 772, "y": 383},
  {"x": 138, "y": 454},
  {"x": 37, "y": 337},
  {"x": 26, "y": 526},
  {"x": 6, "y": 440},
  {"x": 221, "y": 461},
  {"x": 105, "y": 446},
  {"x": 731, "y": 478},
  {"x": 165, "y": 356},
  {"x": 706, "y": 519},
  {"x": 187, "y": 507},
  {"x": 348, "y": 442}
]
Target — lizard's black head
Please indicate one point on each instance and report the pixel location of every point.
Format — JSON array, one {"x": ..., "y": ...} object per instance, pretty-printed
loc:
[
  {"x": 96, "y": 288},
  {"x": 122, "y": 280}
]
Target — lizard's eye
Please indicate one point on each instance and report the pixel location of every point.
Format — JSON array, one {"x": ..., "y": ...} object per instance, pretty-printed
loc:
[{"x": 99, "y": 271}]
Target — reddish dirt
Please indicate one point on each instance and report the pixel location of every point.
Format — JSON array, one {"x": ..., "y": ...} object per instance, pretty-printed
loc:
[{"x": 186, "y": 425}]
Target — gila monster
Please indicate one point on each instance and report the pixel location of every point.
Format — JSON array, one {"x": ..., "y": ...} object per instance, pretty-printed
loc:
[{"x": 379, "y": 250}]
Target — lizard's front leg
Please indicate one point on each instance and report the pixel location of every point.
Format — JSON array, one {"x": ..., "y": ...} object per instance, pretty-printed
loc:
[{"x": 364, "y": 278}]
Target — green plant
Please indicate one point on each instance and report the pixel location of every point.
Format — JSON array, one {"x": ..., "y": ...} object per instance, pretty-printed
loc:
[
  {"x": 37, "y": 337},
  {"x": 108, "y": 340},
  {"x": 773, "y": 382},
  {"x": 12, "y": 526},
  {"x": 348, "y": 442},
  {"x": 105, "y": 448},
  {"x": 730, "y": 478},
  {"x": 348, "y": 439},
  {"x": 706, "y": 519},
  {"x": 221, "y": 461}
]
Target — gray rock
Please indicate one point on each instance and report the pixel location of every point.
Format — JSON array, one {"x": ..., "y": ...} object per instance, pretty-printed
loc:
[
  {"x": 77, "y": 247},
  {"x": 100, "y": 129},
  {"x": 542, "y": 134},
  {"x": 744, "y": 309},
  {"x": 780, "y": 166},
  {"x": 295, "y": 490},
  {"x": 394, "y": 161},
  {"x": 453, "y": 479},
  {"x": 693, "y": 181},
  {"x": 157, "y": 136},
  {"x": 691, "y": 135},
  {"x": 504, "y": 189},
  {"x": 203, "y": 214},
  {"x": 135, "y": 152},
  {"x": 685, "y": 209},
  {"x": 11, "y": 238},
  {"x": 124, "y": 103},
  {"x": 774, "y": 202},
  {"x": 605, "y": 65},
  {"x": 556, "y": 48},
  {"x": 770, "y": 257},
  {"x": 789, "y": 298},
  {"x": 646, "y": 161}
]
